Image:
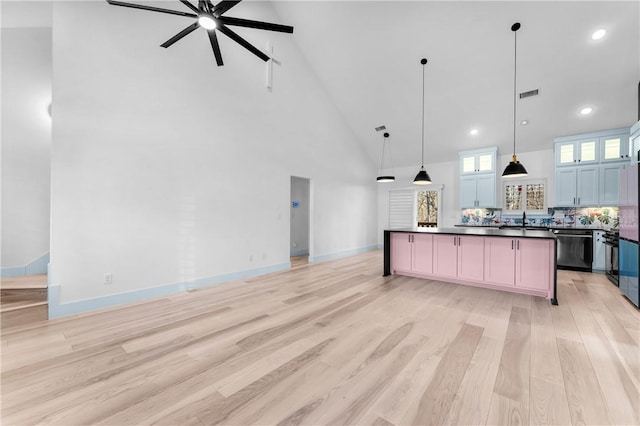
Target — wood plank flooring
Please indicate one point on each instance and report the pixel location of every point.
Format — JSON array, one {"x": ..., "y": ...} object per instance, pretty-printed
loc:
[
  {"x": 23, "y": 300},
  {"x": 333, "y": 343}
]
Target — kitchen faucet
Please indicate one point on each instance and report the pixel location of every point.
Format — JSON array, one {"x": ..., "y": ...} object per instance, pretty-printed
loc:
[{"x": 524, "y": 218}]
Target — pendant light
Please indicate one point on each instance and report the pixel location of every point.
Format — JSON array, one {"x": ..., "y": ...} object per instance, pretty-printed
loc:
[
  {"x": 422, "y": 178},
  {"x": 514, "y": 168},
  {"x": 388, "y": 178}
]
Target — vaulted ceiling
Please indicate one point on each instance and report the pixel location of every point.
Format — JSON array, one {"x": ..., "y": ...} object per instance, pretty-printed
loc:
[{"x": 367, "y": 55}]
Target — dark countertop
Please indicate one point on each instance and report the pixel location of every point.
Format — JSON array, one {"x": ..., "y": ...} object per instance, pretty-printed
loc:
[
  {"x": 543, "y": 228},
  {"x": 482, "y": 232}
]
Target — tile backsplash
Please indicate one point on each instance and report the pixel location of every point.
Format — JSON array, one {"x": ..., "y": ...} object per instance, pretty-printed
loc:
[{"x": 564, "y": 217}]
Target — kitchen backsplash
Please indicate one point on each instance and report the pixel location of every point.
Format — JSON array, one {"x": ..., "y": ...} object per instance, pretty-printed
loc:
[{"x": 564, "y": 217}]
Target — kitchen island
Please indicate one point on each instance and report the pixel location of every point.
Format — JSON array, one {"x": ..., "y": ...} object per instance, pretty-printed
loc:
[{"x": 516, "y": 260}]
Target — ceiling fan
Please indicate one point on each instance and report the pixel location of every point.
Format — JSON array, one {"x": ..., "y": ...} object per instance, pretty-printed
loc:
[{"x": 211, "y": 18}]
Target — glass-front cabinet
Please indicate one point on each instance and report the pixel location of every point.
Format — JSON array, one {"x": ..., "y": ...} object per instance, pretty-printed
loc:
[
  {"x": 614, "y": 148},
  {"x": 574, "y": 152},
  {"x": 478, "y": 161},
  {"x": 478, "y": 178}
]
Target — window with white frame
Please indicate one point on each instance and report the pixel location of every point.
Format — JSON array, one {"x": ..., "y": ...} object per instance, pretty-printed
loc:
[{"x": 411, "y": 208}]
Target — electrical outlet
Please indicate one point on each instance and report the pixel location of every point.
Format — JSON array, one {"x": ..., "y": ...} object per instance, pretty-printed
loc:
[{"x": 108, "y": 278}]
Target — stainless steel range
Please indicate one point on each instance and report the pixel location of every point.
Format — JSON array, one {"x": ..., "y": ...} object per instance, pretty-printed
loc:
[{"x": 611, "y": 239}]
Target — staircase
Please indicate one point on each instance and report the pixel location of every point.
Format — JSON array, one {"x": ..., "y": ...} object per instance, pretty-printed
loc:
[{"x": 23, "y": 300}]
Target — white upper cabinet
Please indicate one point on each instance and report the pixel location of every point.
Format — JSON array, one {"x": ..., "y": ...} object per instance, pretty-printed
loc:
[
  {"x": 577, "y": 152},
  {"x": 634, "y": 143},
  {"x": 478, "y": 161},
  {"x": 614, "y": 148},
  {"x": 584, "y": 173},
  {"x": 478, "y": 178}
]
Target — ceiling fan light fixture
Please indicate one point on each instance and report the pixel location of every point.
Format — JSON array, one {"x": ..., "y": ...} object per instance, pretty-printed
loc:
[{"x": 206, "y": 22}]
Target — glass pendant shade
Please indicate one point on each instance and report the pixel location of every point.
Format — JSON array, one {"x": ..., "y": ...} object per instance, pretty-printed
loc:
[
  {"x": 514, "y": 169},
  {"x": 422, "y": 178}
]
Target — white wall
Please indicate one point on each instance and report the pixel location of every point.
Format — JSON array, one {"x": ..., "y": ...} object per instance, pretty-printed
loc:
[
  {"x": 26, "y": 145},
  {"x": 299, "y": 238},
  {"x": 167, "y": 168},
  {"x": 539, "y": 164}
]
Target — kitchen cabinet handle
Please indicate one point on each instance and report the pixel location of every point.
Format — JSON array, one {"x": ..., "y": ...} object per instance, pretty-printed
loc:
[
  {"x": 458, "y": 240},
  {"x": 578, "y": 200},
  {"x": 454, "y": 241},
  {"x": 574, "y": 200},
  {"x": 511, "y": 244},
  {"x": 518, "y": 245},
  {"x": 409, "y": 238}
]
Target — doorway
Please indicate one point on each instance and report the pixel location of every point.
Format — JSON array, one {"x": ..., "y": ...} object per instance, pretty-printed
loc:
[{"x": 299, "y": 240}]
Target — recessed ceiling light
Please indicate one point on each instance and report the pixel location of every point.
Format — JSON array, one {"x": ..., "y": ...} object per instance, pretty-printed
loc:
[
  {"x": 599, "y": 34},
  {"x": 524, "y": 122},
  {"x": 474, "y": 132},
  {"x": 586, "y": 110}
]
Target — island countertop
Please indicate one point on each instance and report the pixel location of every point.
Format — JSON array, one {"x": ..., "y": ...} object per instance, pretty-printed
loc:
[
  {"x": 482, "y": 232},
  {"x": 423, "y": 257}
]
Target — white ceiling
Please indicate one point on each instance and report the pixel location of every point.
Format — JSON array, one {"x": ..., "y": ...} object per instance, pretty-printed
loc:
[
  {"x": 25, "y": 13},
  {"x": 367, "y": 55}
]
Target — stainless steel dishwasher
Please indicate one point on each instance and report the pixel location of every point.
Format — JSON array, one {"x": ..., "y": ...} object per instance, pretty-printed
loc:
[{"x": 575, "y": 249}]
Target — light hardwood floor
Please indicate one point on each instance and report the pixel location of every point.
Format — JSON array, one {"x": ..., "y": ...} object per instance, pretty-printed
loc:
[{"x": 334, "y": 343}]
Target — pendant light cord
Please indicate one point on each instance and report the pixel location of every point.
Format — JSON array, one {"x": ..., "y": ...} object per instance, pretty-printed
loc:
[
  {"x": 384, "y": 143},
  {"x": 423, "y": 113},
  {"x": 515, "y": 56}
]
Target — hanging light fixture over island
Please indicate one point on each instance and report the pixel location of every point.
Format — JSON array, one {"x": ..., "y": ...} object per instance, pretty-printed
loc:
[
  {"x": 514, "y": 168},
  {"x": 422, "y": 178}
]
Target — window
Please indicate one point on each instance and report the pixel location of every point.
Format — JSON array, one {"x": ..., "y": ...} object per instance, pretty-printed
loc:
[
  {"x": 411, "y": 208},
  {"x": 427, "y": 209},
  {"x": 524, "y": 195}
]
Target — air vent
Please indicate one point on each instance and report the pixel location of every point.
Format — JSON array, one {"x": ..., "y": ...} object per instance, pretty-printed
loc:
[
  {"x": 528, "y": 94},
  {"x": 379, "y": 129}
]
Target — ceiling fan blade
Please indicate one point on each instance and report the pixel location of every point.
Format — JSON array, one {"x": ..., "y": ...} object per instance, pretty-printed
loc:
[
  {"x": 228, "y": 20},
  {"x": 242, "y": 42},
  {"x": 151, "y": 8},
  {"x": 223, "y": 6},
  {"x": 213, "y": 38},
  {"x": 181, "y": 34},
  {"x": 190, "y": 6}
]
